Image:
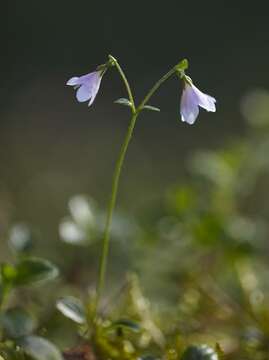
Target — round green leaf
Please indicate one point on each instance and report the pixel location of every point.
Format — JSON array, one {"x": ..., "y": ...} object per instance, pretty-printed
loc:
[
  {"x": 28, "y": 271},
  {"x": 34, "y": 270},
  {"x": 8, "y": 273},
  {"x": 72, "y": 308},
  {"x": 199, "y": 352},
  {"x": 40, "y": 349},
  {"x": 17, "y": 322}
]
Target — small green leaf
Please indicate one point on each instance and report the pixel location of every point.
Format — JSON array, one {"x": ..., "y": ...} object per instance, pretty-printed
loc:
[
  {"x": 126, "y": 324},
  {"x": 34, "y": 270},
  {"x": 182, "y": 65},
  {"x": 8, "y": 273},
  {"x": 199, "y": 352},
  {"x": 40, "y": 349},
  {"x": 152, "y": 108},
  {"x": 28, "y": 271},
  {"x": 72, "y": 308},
  {"x": 123, "y": 101},
  {"x": 17, "y": 322}
]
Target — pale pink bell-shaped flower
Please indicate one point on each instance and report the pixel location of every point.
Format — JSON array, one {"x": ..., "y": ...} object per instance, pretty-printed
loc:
[
  {"x": 87, "y": 86},
  {"x": 191, "y": 99}
]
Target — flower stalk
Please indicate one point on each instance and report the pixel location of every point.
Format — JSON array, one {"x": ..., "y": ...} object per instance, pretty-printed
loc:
[
  {"x": 118, "y": 168},
  {"x": 111, "y": 206},
  {"x": 115, "y": 63},
  {"x": 87, "y": 87}
]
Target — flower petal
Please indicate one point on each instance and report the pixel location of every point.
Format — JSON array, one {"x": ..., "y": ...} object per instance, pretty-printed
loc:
[
  {"x": 207, "y": 102},
  {"x": 94, "y": 92},
  {"x": 73, "y": 81},
  {"x": 83, "y": 93},
  {"x": 189, "y": 109},
  {"x": 90, "y": 78},
  {"x": 87, "y": 85}
]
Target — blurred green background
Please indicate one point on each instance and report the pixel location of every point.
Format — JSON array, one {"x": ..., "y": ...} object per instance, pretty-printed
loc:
[
  {"x": 192, "y": 213},
  {"x": 53, "y": 148}
]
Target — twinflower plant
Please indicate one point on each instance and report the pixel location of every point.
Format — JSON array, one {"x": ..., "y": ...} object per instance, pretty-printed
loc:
[{"x": 87, "y": 87}]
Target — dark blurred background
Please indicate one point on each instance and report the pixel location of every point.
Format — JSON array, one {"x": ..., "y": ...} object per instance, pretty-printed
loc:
[{"x": 53, "y": 147}]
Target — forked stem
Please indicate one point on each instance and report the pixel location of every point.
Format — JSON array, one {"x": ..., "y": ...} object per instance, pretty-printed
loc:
[{"x": 117, "y": 171}]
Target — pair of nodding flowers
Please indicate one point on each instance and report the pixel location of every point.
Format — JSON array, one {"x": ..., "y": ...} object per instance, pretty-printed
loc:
[{"x": 88, "y": 85}]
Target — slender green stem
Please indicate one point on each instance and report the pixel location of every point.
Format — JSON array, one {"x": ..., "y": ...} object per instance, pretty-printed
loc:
[
  {"x": 156, "y": 87},
  {"x": 111, "y": 206},
  {"x": 117, "y": 172},
  {"x": 128, "y": 88},
  {"x": 115, "y": 185}
]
